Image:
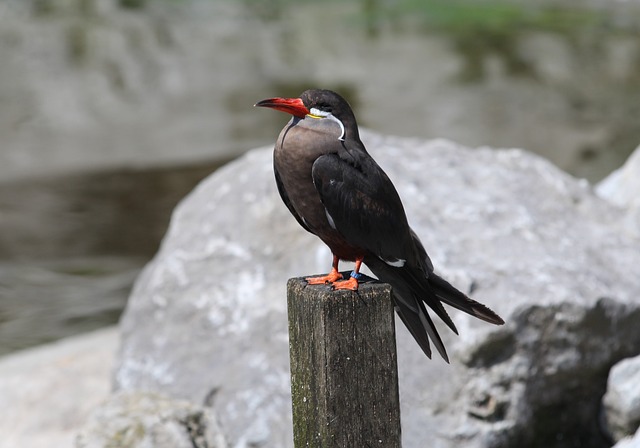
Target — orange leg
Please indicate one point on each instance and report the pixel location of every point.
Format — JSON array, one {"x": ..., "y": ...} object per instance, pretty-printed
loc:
[
  {"x": 352, "y": 282},
  {"x": 329, "y": 278}
]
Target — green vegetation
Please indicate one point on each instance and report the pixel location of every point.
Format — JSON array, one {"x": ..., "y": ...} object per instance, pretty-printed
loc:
[
  {"x": 460, "y": 15},
  {"x": 132, "y": 4},
  {"x": 478, "y": 29},
  {"x": 77, "y": 37},
  {"x": 493, "y": 15}
]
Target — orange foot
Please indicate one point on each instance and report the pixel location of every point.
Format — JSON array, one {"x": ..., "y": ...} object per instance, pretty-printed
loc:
[
  {"x": 351, "y": 284},
  {"x": 329, "y": 278}
]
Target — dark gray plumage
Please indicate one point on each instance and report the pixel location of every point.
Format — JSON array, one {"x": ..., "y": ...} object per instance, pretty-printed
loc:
[{"x": 335, "y": 190}]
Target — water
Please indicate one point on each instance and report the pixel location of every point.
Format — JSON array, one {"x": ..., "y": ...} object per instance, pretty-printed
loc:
[
  {"x": 111, "y": 111},
  {"x": 73, "y": 245},
  {"x": 45, "y": 301}
]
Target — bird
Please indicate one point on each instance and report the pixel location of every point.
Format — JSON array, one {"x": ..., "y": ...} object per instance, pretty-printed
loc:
[{"x": 338, "y": 192}]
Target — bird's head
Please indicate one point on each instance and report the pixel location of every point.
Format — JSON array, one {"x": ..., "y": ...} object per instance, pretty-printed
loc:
[{"x": 317, "y": 104}]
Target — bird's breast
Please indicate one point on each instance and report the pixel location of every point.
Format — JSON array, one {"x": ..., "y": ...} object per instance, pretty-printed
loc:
[{"x": 299, "y": 145}]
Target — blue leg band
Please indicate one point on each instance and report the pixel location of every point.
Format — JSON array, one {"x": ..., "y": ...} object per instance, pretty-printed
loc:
[{"x": 356, "y": 275}]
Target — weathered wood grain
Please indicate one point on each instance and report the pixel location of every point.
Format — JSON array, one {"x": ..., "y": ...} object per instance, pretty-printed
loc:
[{"x": 344, "y": 374}]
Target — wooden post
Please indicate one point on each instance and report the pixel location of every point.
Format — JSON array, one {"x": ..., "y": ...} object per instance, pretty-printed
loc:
[{"x": 344, "y": 371}]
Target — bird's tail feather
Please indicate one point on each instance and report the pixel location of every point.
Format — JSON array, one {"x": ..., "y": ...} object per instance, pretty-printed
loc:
[
  {"x": 422, "y": 329},
  {"x": 446, "y": 292},
  {"x": 413, "y": 289},
  {"x": 410, "y": 305},
  {"x": 413, "y": 324}
]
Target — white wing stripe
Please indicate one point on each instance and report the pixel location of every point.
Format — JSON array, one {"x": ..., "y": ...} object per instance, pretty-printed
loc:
[{"x": 396, "y": 263}]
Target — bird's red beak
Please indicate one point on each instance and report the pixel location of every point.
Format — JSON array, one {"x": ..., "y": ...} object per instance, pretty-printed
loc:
[{"x": 293, "y": 106}]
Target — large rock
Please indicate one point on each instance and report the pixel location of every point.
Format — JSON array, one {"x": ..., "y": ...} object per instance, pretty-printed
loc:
[
  {"x": 47, "y": 393},
  {"x": 206, "y": 320},
  {"x": 622, "y": 187},
  {"x": 148, "y": 420},
  {"x": 629, "y": 442},
  {"x": 622, "y": 400},
  {"x": 95, "y": 84}
]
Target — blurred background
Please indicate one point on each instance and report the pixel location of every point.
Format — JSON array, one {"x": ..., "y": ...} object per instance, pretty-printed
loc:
[{"x": 113, "y": 110}]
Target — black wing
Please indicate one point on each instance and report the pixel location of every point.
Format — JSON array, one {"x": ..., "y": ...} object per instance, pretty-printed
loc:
[
  {"x": 366, "y": 209},
  {"x": 363, "y": 205}
]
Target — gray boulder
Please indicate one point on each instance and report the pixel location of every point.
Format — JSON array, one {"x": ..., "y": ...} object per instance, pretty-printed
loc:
[
  {"x": 148, "y": 420},
  {"x": 629, "y": 442},
  {"x": 206, "y": 321},
  {"x": 622, "y": 400},
  {"x": 622, "y": 187},
  {"x": 47, "y": 392}
]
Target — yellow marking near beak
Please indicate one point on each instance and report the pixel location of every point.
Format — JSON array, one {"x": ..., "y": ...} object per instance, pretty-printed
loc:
[{"x": 317, "y": 117}]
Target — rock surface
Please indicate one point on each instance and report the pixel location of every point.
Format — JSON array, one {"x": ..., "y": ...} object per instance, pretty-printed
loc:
[
  {"x": 622, "y": 400},
  {"x": 90, "y": 84},
  {"x": 46, "y": 393},
  {"x": 206, "y": 321},
  {"x": 629, "y": 442},
  {"x": 147, "y": 420},
  {"x": 622, "y": 187}
]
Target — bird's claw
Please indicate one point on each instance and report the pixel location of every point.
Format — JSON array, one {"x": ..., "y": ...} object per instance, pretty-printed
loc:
[
  {"x": 331, "y": 277},
  {"x": 351, "y": 284}
]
